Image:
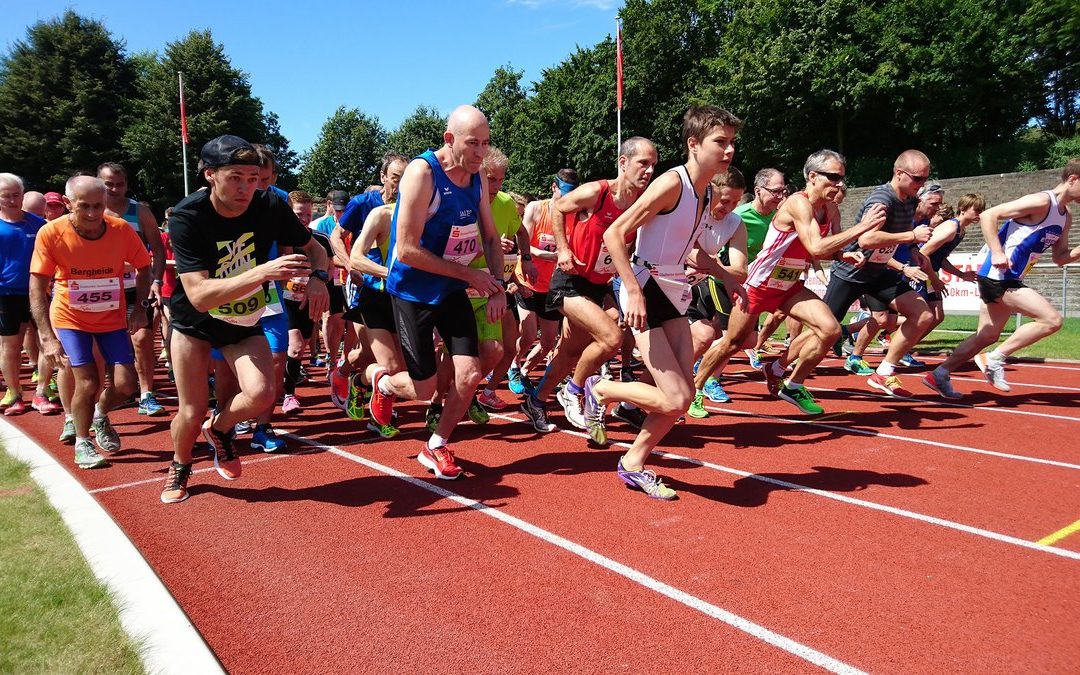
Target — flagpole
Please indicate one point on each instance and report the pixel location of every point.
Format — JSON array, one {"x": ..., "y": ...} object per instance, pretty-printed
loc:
[
  {"x": 183, "y": 131},
  {"x": 618, "y": 85}
]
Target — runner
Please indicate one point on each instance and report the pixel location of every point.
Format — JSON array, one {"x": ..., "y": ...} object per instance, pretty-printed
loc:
[
  {"x": 358, "y": 208},
  {"x": 800, "y": 232},
  {"x": 333, "y": 325},
  {"x": 655, "y": 290},
  {"x": 86, "y": 253},
  {"x": 18, "y": 228},
  {"x": 881, "y": 277},
  {"x": 443, "y": 204},
  {"x": 1033, "y": 224},
  {"x": 221, "y": 239},
  {"x": 770, "y": 190},
  {"x": 142, "y": 220},
  {"x": 580, "y": 282},
  {"x": 531, "y": 297}
]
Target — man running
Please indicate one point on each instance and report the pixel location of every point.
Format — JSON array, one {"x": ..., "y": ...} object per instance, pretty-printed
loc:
[
  {"x": 441, "y": 222},
  {"x": 582, "y": 279},
  {"x": 770, "y": 190},
  {"x": 86, "y": 254},
  {"x": 221, "y": 240},
  {"x": 1033, "y": 224},
  {"x": 800, "y": 232}
]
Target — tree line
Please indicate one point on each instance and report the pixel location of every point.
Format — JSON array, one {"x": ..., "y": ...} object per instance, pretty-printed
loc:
[{"x": 982, "y": 86}]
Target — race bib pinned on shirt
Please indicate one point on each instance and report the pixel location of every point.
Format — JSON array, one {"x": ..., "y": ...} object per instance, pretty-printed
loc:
[
  {"x": 94, "y": 295},
  {"x": 295, "y": 289},
  {"x": 547, "y": 242},
  {"x": 787, "y": 273},
  {"x": 463, "y": 244},
  {"x": 604, "y": 263},
  {"x": 510, "y": 261},
  {"x": 882, "y": 255},
  {"x": 243, "y": 312}
]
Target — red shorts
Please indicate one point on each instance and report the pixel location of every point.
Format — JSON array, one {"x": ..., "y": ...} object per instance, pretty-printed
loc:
[{"x": 764, "y": 299}]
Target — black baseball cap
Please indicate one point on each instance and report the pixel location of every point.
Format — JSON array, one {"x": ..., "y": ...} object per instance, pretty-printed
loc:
[
  {"x": 338, "y": 198},
  {"x": 223, "y": 150}
]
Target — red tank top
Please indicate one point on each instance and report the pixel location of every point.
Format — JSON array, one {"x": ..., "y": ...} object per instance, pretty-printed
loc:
[
  {"x": 587, "y": 239},
  {"x": 542, "y": 238}
]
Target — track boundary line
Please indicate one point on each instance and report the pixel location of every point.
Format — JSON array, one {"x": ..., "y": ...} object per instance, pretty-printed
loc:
[
  {"x": 693, "y": 602},
  {"x": 1060, "y": 534},
  {"x": 933, "y": 520}
]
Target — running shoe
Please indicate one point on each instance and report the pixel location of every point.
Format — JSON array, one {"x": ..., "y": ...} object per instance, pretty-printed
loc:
[
  {"x": 646, "y": 481},
  {"x": 909, "y": 361},
  {"x": 942, "y": 384},
  {"x": 573, "y": 407},
  {"x": 266, "y": 439},
  {"x": 992, "y": 369},
  {"x": 627, "y": 374},
  {"x": 53, "y": 391},
  {"x": 176, "y": 483},
  {"x": 477, "y": 414},
  {"x": 302, "y": 376},
  {"x": 848, "y": 346},
  {"x": 536, "y": 411},
  {"x": 697, "y": 408},
  {"x": 515, "y": 381},
  {"x": 16, "y": 407},
  {"x": 339, "y": 389},
  {"x": 67, "y": 434},
  {"x": 432, "y": 416},
  {"x": 354, "y": 405},
  {"x": 107, "y": 438},
  {"x": 838, "y": 347},
  {"x": 44, "y": 406},
  {"x": 773, "y": 382},
  {"x": 635, "y": 417},
  {"x": 755, "y": 358},
  {"x": 381, "y": 406},
  {"x": 243, "y": 427},
  {"x": 492, "y": 401},
  {"x": 605, "y": 371},
  {"x": 714, "y": 392},
  {"x": 885, "y": 340},
  {"x": 857, "y": 366},
  {"x": 34, "y": 377},
  {"x": 221, "y": 448},
  {"x": 149, "y": 406},
  {"x": 290, "y": 405},
  {"x": 890, "y": 385},
  {"x": 87, "y": 457},
  {"x": 800, "y": 397},
  {"x": 594, "y": 413},
  {"x": 441, "y": 461},
  {"x": 385, "y": 431}
]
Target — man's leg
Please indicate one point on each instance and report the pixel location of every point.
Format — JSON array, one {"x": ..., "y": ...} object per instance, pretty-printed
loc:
[
  {"x": 606, "y": 335},
  {"x": 191, "y": 362},
  {"x": 1030, "y": 303},
  {"x": 740, "y": 325},
  {"x": 254, "y": 366},
  {"x": 821, "y": 330},
  {"x": 10, "y": 356}
]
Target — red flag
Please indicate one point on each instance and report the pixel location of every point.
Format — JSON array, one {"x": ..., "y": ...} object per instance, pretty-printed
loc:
[
  {"x": 183, "y": 115},
  {"x": 618, "y": 66}
]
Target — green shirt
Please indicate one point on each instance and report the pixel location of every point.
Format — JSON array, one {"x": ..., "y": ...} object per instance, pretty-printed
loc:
[
  {"x": 507, "y": 223},
  {"x": 757, "y": 226}
]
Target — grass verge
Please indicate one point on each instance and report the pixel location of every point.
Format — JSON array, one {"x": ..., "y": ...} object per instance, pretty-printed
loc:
[
  {"x": 55, "y": 616},
  {"x": 1064, "y": 344}
]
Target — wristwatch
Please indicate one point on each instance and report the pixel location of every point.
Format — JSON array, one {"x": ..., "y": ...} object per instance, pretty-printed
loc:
[
  {"x": 148, "y": 303},
  {"x": 321, "y": 275}
]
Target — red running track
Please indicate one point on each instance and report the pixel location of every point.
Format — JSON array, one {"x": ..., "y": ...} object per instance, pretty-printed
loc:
[{"x": 890, "y": 535}]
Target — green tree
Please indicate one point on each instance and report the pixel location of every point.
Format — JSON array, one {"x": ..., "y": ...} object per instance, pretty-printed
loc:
[
  {"x": 62, "y": 93},
  {"x": 420, "y": 131},
  {"x": 1052, "y": 28},
  {"x": 503, "y": 101},
  {"x": 218, "y": 99},
  {"x": 347, "y": 154},
  {"x": 287, "y": 159}
]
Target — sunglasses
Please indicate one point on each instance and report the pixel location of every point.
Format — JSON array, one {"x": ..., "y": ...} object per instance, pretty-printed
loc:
[
  {"x": 914, "y": 178},
  {"x": 775, "y": 192},
  {"x": 832, "y": 177}
]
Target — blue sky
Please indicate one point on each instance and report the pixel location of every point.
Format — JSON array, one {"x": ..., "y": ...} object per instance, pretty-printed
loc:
[{"x": 304, "y": 59}]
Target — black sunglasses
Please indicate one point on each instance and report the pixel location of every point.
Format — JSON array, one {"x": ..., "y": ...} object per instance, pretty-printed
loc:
[{"x": 833, "y": 177}]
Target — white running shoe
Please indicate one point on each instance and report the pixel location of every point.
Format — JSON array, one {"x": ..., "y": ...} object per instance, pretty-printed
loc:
[{"x": 993, "y": 370}]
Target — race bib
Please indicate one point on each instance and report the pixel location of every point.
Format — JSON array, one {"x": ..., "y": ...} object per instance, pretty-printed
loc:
[
  {"x": 463, "y": 245},
  {"x": 787, "y": 273},
  {"x": 340, "y": 275},
  {"x": 243, "y": 312},
  {"x": 882, "y": 255},
  {"x": 547, "y": 242},
  {"x": 604, "y": 264},
  {"x": 510, "y": 261},
  {"x": 294, "y": 289},
  {"x": 675, "y": 285},
  {"x": 129, "y": 277},
  {"x": 95, "y": 295}
]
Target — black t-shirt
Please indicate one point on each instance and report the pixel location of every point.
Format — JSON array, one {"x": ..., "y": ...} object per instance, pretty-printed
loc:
[
  {"x": 899, "y": 215},
  {"x": 204, "y": 240}
]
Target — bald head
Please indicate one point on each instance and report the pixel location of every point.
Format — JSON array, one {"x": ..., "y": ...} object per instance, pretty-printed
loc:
[
  {"x": 466, "y": 119},
  {"x": 911, "y": 160},
  {"x": 34, "y": 202},
  {"x": 79, "y": 187}
]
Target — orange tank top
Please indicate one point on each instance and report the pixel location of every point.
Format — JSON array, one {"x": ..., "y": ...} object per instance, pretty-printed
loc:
[{"x": 543, "y": 238}]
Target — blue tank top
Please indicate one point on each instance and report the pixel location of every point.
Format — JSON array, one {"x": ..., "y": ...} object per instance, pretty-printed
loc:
[
  {"x": 450, "y": 232},
  {"x": 1024, "y": 243},
  {"x": 939, "y": 256}
]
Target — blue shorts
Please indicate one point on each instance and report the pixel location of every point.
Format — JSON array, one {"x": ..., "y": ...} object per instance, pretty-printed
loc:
[
  {"x": 276, "y": 329},
  {"x": 115, "y": 346}
]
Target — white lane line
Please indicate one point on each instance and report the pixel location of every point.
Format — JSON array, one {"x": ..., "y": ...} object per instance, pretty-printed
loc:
[
  {"x": 895, "y": 437},
  {"x": 169, "y": 642},
  {"x": 745, "y": 625},
  {"x": 1019, "y": 384},
  {"x": 161, "y": 479},
  {"x": 933, "y": 520}
]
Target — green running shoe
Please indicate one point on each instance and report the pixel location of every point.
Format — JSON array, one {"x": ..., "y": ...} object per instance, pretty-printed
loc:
[
  {"x": 858, "y": 366},
  {"x": 478, "y": 414},
  {"x": 356, "y": 401},
  {"x": 385, "y": 430},
  {"x": 800, "y": 397},
  {"x": 67, "y": 436},
  {"x": 431, "y": 417},
  {"x": 697, "y": 408}
]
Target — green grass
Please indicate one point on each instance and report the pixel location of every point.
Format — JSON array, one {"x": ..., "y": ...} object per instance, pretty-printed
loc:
[
  {"x": 1064, "y": 344},
  {"x": 55, "y": 616}
]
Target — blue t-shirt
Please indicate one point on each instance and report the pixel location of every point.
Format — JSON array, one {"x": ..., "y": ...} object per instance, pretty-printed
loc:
[
  {"x": 325, "y": 225},
  {"x": 16, "y": 249},
  {"x": 352, "y": 220},
  {"x": 280, "y": 193}
]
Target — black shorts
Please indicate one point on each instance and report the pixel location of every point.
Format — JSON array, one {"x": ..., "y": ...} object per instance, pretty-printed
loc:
[
  {"x": 299, "y": 319},
  {"x": 219, "y": 333},
  {"x": 537, "y": 304},
  {"x": 416, "y": 323},
  {"x": 129, "y": 299},
  {"x": 337, "y": 298},
  {"x": 991, "y": 290},
  {"x": 14, "y": 312},
  {"x": 710, "y": 301},
  {"x": 374, "y": 310},
  {"x": 872, "y": 304},
  {"x": 658, "y": 308},
  {"x": 879, "y": 293},
  {"x": 565, "y": 285}
]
